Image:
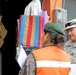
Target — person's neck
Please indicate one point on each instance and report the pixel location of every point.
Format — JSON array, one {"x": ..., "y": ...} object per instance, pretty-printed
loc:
[
  {"x": 74, "y": 42},
  {"x": 49, "y": 44},
  {"x": 59, "y": 46},
  {"x": 52, "y": 44}
]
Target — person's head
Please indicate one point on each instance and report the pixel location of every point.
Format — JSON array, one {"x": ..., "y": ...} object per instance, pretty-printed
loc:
[
  {"x": 53, "y": 34},
  {"x": 70, "y": 27}
]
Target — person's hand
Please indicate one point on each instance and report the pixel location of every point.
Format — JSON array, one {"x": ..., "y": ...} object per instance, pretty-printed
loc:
[{"x": 19, "y": 72}]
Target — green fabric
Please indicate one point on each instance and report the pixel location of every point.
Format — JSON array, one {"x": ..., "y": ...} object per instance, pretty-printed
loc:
[{"x": 53, "y": 27}]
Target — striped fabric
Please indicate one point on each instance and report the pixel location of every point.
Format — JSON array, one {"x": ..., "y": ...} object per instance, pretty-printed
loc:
[{"x": 30, "y": 30}]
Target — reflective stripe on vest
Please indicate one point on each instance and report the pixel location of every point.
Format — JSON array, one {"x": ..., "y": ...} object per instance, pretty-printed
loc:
[{"x": 54, "y": 64}]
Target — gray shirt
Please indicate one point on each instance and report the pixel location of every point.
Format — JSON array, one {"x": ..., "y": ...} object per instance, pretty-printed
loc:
[{"x": 70, "y": 48}]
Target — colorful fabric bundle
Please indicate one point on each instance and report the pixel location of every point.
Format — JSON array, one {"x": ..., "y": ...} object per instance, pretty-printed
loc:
[
  {"x": 45, "y": 17},
  {"x": 30, "y": 30}
]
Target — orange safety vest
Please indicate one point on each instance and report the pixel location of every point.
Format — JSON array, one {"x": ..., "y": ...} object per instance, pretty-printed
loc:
[{"x": 52, "y": 61}]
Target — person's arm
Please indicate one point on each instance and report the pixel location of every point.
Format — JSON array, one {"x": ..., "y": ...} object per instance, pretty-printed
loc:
[{"x": 29, "y": 66}]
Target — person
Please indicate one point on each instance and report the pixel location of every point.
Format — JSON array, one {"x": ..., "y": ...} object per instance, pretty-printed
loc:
[
  {"x": 11, "y": 11},
  {"x": 51, "y": 59},
  {"x": 70, "y": 45}
]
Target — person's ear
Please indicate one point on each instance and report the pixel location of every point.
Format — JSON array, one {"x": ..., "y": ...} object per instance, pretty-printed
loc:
[{"x": 47, "y": 36}]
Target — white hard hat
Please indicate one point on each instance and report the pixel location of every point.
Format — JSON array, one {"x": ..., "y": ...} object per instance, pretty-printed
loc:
[{"x": 70, "y": 24}]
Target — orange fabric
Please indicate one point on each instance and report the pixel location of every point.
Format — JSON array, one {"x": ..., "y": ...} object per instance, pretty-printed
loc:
[{"x": 54, "y": 54}]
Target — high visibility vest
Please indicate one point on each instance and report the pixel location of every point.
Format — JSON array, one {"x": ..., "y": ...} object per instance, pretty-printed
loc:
[{"x": 52, "y": 61}]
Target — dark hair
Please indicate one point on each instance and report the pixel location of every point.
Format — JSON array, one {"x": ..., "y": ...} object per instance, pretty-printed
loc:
[{"x": 55, "y": 38}]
